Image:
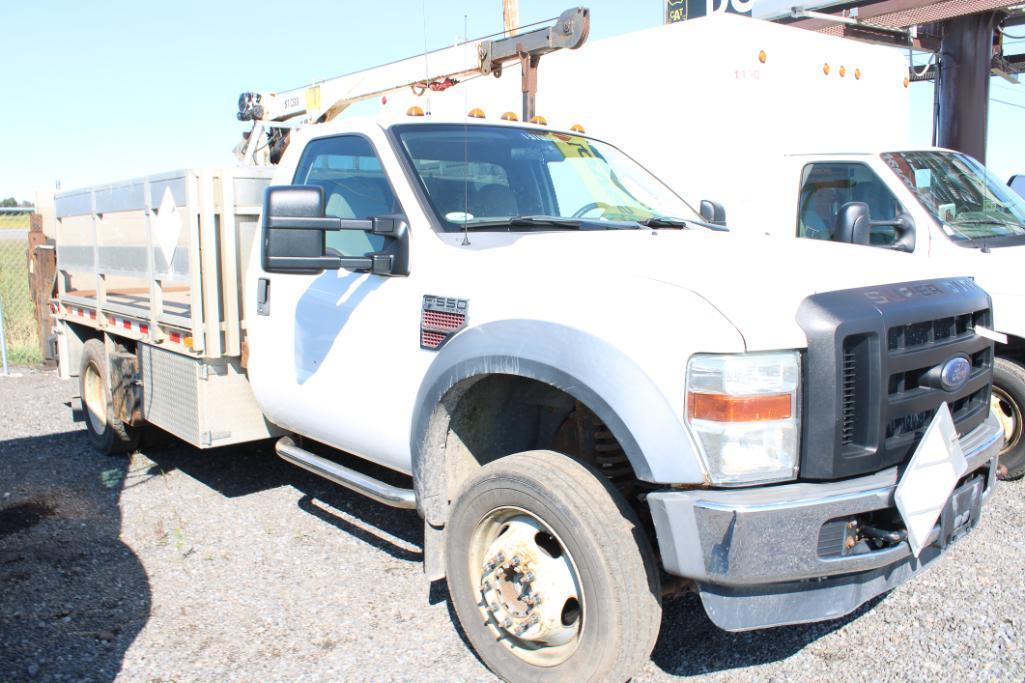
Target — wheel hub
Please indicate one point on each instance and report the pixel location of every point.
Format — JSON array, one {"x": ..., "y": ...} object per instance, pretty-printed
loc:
[{"x": 528, "y": 585}]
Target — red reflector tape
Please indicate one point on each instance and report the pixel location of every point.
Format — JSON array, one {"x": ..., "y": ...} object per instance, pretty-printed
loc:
[
  {"x": 175, "y": 337},
  {"x": 127, "y": 324},
  {"x": 144, "y": 329}
]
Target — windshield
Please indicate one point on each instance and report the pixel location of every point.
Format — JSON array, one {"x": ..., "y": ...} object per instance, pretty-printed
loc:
[
  {"x": 969, "y": 202},
  {"x": 484, "y": 176}
]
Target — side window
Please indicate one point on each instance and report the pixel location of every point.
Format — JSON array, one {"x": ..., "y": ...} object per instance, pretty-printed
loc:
[
  {"x": 826, "y": 187},
  {"x": 354, "y": 187}
]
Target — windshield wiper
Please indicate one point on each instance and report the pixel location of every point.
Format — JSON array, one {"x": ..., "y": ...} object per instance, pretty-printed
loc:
[
  {"x": 990, "y": 221},
  {"x": 670, "y": 222},
  {"x": 527, "y": 222}
]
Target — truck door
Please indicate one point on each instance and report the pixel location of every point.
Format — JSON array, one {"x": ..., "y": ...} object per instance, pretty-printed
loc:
[
  {"x": 827, "y": 186},
  {"x": 319, "y": 342}
]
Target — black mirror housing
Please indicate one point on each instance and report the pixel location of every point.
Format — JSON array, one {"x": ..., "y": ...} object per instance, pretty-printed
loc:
[
  {"x": 713, "y": 212},
  {"x": 293, "y": 235},
  {"x": 293, "y": 239},
  {"x": 854, "y": 225}
]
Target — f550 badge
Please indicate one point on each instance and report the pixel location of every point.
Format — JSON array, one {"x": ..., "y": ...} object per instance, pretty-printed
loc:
[{"x": 440, "y": 318}]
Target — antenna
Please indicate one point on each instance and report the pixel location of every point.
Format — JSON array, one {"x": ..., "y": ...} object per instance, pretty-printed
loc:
[
  {"x": 466, "y": 159},
  {"x": 427, "y": 70}
]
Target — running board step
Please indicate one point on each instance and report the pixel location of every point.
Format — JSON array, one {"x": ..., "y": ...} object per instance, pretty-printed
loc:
[{"x": 344, "y": 476}]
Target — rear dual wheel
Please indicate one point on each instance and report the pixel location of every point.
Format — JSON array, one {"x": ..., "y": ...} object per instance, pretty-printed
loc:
[
  {"x": 550, "y": 572},
  {"x": 107, "y": 434}
]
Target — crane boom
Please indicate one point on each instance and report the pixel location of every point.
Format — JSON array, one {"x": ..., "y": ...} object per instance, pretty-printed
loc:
[{"x": 273, "y": 114}]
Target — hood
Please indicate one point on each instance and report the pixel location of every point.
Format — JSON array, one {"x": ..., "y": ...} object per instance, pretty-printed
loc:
[{"x": 756, "y": 282}]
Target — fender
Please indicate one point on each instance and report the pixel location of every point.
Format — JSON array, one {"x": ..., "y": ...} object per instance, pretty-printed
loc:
[{"x": 656, "y": 442}]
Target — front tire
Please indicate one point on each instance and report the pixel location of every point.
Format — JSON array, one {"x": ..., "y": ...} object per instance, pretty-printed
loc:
[
  {"x": 550, "y": 572},
  {"x": 107, "y": 434},
  {"x": 1008, "y": 401}
]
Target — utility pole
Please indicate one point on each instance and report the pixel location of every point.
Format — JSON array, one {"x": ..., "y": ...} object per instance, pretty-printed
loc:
[
  {"x": 966, "y": 53},
  {"x": 510, "y": 16}
]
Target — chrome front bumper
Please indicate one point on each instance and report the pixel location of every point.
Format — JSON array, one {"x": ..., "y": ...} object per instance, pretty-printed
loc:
[{"x": 754, "y": 553}]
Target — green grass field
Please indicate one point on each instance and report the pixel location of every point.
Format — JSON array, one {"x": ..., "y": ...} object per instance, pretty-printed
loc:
[
  {"x": 17, "y": 221},
  {"x": 19, "y": 314}
]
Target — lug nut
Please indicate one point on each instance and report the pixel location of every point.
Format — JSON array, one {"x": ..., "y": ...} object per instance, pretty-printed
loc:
[
  {"x": 515, "y": 560},
  {"x": 507, "y": 622},
  {"x": 528, "y": 577}
]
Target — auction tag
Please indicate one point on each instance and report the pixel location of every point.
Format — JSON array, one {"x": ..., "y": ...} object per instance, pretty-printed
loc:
[{"x": 935, "y": 467}]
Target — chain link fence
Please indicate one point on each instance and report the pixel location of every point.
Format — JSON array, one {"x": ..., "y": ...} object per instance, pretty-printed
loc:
[{"x": 19, "y": 314}]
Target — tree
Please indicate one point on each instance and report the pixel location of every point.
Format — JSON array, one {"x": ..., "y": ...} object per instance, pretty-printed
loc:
[{"x": 9, "y": 203}]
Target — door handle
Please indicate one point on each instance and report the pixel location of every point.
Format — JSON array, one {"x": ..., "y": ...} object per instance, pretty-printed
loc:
[{"x": 263, "y": 296}]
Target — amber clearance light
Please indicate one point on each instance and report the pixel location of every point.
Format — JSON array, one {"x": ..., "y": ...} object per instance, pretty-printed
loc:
[{"x": 726, "y": 408}]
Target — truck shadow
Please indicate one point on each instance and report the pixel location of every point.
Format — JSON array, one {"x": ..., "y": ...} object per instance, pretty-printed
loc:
[
  {"x": 691, "y": 645},
  {"x": 73, "y": 596},
  {"x": 242, "y": 470}
]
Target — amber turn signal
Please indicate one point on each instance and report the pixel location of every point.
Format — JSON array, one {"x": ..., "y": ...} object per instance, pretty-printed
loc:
[
  {"x": 539, "y": 120},
  {"x": 414, "y": 111},
  {"x": 725, "y": 408},
  {"x": 476, "y": 113},
  {"x": 510, "y": 116}
]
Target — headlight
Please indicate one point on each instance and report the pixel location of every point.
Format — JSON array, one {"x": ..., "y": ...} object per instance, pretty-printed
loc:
[{"x": 745, "y": 411}]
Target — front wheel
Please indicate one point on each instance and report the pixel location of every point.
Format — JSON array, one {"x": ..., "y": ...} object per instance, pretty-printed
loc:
[
  {"x": 1008, "y": 402},
  {"x": 550, "y": 572}
]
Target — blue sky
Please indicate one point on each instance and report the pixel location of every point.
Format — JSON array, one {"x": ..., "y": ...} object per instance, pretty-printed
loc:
[{"x": 94, "y": 92}]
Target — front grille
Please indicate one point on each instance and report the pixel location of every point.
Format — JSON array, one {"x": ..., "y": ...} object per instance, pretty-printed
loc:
[
  {"x": 910, "y": 400},
  {"x": 872, "y": 368}
]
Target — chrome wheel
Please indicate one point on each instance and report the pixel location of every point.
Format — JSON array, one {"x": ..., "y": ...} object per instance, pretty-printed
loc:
[
  {"x": 529, "y": 588},
  {"x": 94, "y": 396},
  {"x": 1009, "y": 415}
]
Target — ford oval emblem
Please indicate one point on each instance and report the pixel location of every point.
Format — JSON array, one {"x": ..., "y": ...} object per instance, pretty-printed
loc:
[{"x": 954, "y": 373}]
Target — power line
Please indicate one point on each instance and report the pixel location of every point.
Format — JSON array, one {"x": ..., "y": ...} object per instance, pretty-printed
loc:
[{"x": 1009, "y": 104}]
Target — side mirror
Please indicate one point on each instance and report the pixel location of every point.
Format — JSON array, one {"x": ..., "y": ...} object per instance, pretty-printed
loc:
[
  {"x": 713, "y": 212},
  {"x": 293, "y": 235},
  {"x": 854, "y": 225},
  {"x": 1017, "y": 183},
  {"x": 293, "y": 230}
]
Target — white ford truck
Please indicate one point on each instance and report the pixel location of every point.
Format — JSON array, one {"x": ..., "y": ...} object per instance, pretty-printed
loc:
[
  {"x": 589, "y": 409},
  {"x": 798, "y": 135}
]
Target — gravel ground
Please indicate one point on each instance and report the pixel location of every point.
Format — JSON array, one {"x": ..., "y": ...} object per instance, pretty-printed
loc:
[{"x": 180, "y": 565}]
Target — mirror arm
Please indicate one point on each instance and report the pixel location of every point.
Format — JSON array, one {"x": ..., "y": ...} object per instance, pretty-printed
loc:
[
  {"x": 376, "y": 226},
  {"x": 288, "y": 263}
]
